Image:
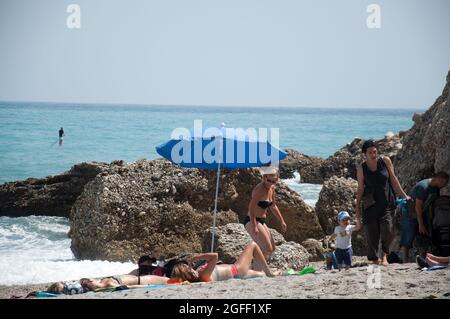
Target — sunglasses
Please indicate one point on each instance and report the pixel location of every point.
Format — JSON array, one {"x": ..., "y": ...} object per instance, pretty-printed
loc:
[{"x": 271, "y": 181}]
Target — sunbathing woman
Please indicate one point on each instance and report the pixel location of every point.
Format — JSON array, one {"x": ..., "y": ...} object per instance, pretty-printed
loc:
[
  {"x": 432, "y": 260},
  {"x": 92, "y": 284},
  {"x": 213, "y": 272}
]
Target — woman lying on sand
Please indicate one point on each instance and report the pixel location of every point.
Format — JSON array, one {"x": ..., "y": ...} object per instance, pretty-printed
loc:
[
  {"x": 213, "y": 272},
  {"x": 432, "y": 260},
  {"x": 92, "y": 284}
]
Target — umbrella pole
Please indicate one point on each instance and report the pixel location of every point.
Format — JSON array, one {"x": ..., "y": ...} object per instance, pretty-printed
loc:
[{"x": 215, "y": 208}]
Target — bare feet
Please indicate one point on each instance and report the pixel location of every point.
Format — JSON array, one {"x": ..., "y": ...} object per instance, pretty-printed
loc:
[
  {"x": 384, "y": 262},
  {"x": 431, "y": 262},
  {"x": 274, "y": 273},
  {"x": 376, "y": 262}
]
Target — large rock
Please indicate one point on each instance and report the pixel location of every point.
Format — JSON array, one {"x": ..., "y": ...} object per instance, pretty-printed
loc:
[
  {"x": 315, "y": 249},
  {"x": 50, "y": 196},
  {"x": 426, "y": 146},
  {"x": 230, "y": 241},
  {"x": 339, "y": 194},
  {"x": 235, "y": 193},
  {"x": 159, "y": 208},
  {"x": 307, "y": 166},
  {"x": 342, "y": 163},
  {"x": 143, "y": 207}
]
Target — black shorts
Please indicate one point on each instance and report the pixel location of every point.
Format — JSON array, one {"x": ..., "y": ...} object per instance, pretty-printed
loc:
[{"x": 260, "y": 220}]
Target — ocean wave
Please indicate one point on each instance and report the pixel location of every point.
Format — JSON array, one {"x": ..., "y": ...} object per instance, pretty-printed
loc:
[{"x": 36, "y": 249}]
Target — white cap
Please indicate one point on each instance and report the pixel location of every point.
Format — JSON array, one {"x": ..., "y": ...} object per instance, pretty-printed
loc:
[{"x": 268, "y": 170}]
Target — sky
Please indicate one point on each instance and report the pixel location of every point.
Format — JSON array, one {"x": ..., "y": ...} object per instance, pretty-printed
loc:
[{"x": 310, "y": 53}]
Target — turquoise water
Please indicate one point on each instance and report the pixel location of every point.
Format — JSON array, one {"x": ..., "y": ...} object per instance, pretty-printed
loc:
[{"x": 109, "y": 132}]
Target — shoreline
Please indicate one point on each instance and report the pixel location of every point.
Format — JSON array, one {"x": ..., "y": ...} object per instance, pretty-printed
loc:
[{"x": 397, "y": 281}]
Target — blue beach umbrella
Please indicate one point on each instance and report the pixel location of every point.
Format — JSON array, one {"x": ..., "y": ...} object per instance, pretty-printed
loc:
[{"x": 215, "y": 148}]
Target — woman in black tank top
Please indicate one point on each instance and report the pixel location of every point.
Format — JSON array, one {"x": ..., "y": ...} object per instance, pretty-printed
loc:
[{"x": 377, "y": 185}]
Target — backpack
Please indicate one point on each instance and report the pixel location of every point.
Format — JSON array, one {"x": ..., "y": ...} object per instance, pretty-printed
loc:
[{"x": 440, "y": 222}]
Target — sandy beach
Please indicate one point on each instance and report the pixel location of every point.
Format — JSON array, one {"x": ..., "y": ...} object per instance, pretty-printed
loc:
[{"x": 396, "y": 281}]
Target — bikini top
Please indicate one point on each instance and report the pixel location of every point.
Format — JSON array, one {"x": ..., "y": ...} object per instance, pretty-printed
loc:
[{"x": 264, "y": 204}]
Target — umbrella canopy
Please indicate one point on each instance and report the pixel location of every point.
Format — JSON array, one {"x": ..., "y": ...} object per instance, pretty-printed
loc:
[
  {"x": 225, "y": 150},
  {"x": 220, "y": 149}
]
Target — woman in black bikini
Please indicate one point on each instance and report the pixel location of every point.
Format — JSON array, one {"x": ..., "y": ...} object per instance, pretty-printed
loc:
[
  {"x": 92, "y": 284},
  {"x": 263, "y": 199}
]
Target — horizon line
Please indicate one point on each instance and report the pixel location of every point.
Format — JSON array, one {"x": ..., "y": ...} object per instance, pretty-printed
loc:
[{"x": 411, "y": 108}]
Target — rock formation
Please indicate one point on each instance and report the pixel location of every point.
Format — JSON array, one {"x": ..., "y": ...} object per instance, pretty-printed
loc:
[
  {"x": 426, "y": 146},
  {"x": 159, "y": 208},
  {"x": 231, "y": 239},
  {"x": 342, "y": 163},
  {"x": 51, "y": 196},
  {"x": 339, "y": 194},
  {"x": 307, "y": 166}
]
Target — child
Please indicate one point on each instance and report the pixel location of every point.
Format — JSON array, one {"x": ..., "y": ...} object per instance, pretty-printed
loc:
[{"x": 343, "y": 235}]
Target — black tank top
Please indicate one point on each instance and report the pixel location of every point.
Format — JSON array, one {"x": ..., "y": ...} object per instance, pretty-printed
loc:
[{"x": 378, "y": 182}]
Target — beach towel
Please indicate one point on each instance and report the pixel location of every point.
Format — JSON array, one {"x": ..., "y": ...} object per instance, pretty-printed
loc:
[
  {"x": 304, "y": 271},
  {"x": 44, "y": 294},
  {"x": 436, "y": 268}
]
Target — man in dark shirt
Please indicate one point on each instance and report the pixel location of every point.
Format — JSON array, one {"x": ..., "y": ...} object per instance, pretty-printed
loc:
[{"x": 410, "y": 224}]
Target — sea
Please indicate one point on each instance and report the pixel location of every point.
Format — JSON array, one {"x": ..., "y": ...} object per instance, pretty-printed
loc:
[{"x": 36, "y": 249}]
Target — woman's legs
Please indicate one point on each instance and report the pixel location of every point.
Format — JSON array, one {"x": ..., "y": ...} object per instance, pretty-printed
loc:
[
  {"x": 386, "y": 235},
  {"x": 252, "y": 251},
  {"x": 264, "y": 240},
  {"x": 253, "y": 274},
  {"x": 372, "y": 232},
  {"x": 438, "y": 260}
]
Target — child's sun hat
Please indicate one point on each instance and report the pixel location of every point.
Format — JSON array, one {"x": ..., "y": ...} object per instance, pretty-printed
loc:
[{"x": 343, "y": 215}]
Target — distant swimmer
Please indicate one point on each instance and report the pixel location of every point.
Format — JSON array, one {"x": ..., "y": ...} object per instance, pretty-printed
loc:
[{"x": 61, "y": 134}]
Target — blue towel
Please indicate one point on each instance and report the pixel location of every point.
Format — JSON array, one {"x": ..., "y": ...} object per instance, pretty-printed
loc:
[
  {"x": 44, "y": 294},
  {"x": 436, "y": 268}
]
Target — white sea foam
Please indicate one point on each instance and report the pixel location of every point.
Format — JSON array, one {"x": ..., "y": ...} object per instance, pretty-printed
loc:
[
  {"x": 309, "y": 192},
  {"x": 36, "y": 249}
]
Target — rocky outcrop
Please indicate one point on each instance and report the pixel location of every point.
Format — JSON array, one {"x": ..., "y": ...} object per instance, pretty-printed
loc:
[
  {"x": 143, "y": 207},
  {"x": 342, "y": 163},
  {"x": 307, "y": 166},
  {"x": 426, "y": 146},
  {"x": 339, "y": 194},
  {"x": 315, "y": 248},
  {"x": 235, "y": 193},
  {"x": 51, "y": 196},
  {"x": 231, "y": 239},
  {"x": 159, "y": 208}
]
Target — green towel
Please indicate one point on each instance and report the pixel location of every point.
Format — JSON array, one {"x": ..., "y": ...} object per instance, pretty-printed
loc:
[{"x": 304, "y": 271}]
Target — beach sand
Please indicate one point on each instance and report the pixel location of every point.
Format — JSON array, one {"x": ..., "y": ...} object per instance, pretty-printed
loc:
[{"x": 396, "y": 281}]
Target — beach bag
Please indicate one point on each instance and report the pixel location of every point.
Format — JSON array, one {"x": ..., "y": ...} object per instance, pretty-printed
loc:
[{"x": 441, "y": 224}]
